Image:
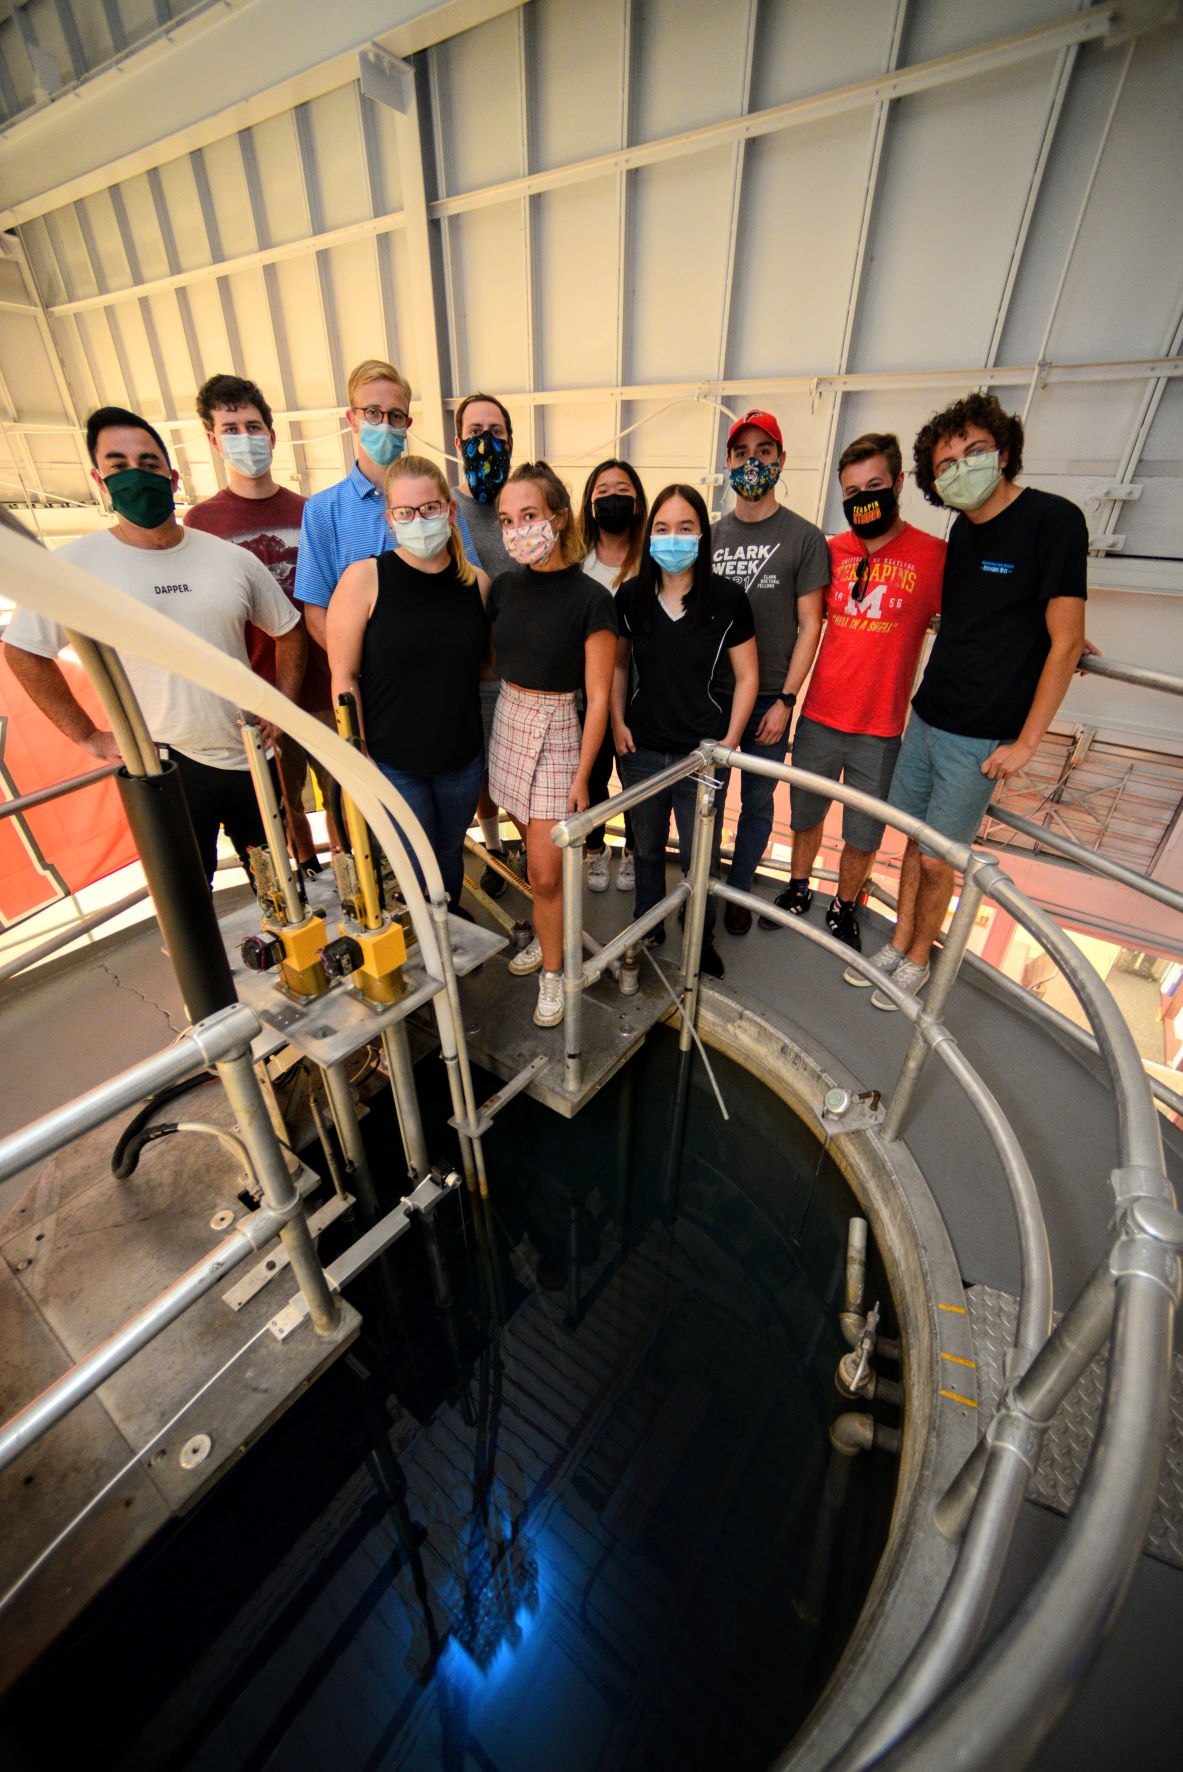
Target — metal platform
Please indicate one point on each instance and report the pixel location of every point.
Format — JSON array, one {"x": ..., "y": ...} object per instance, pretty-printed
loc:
[
  {"x": 327, "y": 1029},
  {"x": 1069, "y": 1439},
  {"x": 79, "y": 1254},
  {"x": 502, "y": 1037}
]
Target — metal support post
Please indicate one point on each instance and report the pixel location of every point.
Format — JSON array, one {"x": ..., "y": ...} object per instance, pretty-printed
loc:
[
  {"x": 273, "y": 825},
  {"x": 396, "y": 1050},
  {"x": 573, "y": 965},
  {"x": 696, "y": 910},
  {"x": 944, "y": 973},
  {"x": 344, "y": 1111},
  {"x": 238, "y": 1078}
]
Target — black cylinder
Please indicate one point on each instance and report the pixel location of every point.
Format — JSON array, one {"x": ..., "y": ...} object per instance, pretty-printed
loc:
[{"x": 159, "y": 818}]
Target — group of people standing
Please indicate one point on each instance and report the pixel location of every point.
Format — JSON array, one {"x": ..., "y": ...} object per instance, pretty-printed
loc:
[{"x": 506, "y": 652}]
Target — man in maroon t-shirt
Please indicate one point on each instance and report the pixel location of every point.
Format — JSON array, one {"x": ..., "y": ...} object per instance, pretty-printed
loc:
[{"x": 264, "y": 518}]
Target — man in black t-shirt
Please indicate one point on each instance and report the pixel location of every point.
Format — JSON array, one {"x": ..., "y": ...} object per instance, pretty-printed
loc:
[{"x": 1011, "y": 635}]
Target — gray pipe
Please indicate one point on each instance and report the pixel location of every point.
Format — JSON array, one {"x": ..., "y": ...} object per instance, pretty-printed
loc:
[
  {"x": 204, "y": 1044},
  {"x": 579, "y": 825},
  {"x": 1092, "y": 859},
  {"x": 86, "y": 1377}
]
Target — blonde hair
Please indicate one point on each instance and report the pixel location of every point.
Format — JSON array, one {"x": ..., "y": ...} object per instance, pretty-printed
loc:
[
  {"x": 417, "y": 467},
  {"x": 572, "y": 546},
  {"x": 374, "y": 369}
]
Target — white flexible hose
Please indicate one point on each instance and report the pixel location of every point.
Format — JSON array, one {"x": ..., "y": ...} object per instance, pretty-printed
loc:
[{"x": 54, "y": 587}]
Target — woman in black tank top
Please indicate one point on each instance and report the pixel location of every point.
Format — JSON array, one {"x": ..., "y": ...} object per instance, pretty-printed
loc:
[{"x": 408, "y": 636}]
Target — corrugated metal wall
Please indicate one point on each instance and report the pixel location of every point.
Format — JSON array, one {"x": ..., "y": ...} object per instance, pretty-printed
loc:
[{"x": 639, "y": 212}]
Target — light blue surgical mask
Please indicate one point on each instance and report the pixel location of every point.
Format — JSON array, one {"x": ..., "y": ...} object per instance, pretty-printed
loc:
[
  {"x": 246, "y": 454},
  {"x": 674, "y": 553},
  {"x": 965, "y": 485},
  {"x": 382, "y": 443}
]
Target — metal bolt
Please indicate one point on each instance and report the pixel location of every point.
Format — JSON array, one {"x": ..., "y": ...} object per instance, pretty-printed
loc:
[
  {"x": 195, "y": 1451},
  {"x": 22, "y": 1265},
  {"x": 836, "y": 1102},
  {"x": 222, "y": 1219}
]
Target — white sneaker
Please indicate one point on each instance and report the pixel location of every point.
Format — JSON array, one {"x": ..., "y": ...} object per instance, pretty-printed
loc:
[
  {"x": 626, "y": 873},
  {"x": 886, "y": 961},
  {"x": 548, "y": 1012},
  {"x": 528, "y": 959},
  {"x": 598, "y": 879},
  {"x": 909, "y": 977}
]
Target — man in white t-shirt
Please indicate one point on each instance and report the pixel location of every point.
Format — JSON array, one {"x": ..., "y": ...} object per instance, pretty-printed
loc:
[{"x": 210, "y": 587}]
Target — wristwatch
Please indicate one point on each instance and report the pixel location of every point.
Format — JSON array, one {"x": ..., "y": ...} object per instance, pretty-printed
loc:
[{"x": 788, "y": 696}]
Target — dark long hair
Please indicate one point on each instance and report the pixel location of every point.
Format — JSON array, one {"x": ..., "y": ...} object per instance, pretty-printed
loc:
[
  {"x": 636, "y": 529},
  {"x": 700, "y": 599}
]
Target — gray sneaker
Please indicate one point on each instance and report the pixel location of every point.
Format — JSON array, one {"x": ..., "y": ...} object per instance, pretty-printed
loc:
[
  {"x": 886, "y": 961},
  {"x": 909, "y": 978}
]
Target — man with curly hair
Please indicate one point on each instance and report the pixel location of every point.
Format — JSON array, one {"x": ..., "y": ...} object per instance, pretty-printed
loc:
[{"x": 1011, "y": 635}]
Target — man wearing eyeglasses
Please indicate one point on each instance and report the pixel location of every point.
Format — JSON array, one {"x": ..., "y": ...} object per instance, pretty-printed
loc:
[
  {"x": 1011, "y": 635},
  {"x": 885, "y": 589},
  {"x": 347, "y": 522}
]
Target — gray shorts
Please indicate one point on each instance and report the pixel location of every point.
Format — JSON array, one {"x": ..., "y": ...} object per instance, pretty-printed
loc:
[
  {"x": 859, "y": 759},
  {"x": 489, "y": 695}
]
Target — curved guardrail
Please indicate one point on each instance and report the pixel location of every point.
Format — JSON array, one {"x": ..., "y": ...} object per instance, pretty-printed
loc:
[{"x": 1016, "y": 1691}]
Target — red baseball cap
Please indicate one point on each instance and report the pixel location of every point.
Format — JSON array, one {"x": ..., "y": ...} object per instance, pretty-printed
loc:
[{"x": 763, "y": 421}]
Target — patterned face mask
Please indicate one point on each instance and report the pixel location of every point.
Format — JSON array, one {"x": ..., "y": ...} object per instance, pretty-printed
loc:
[
  {"x": 486, "y": 465},
  {"x": 532, "y": 543},
  {"x": 751, "y": 479}
]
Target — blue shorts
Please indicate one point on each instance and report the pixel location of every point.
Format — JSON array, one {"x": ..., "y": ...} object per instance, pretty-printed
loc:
[{"x": 939, "y": 778}]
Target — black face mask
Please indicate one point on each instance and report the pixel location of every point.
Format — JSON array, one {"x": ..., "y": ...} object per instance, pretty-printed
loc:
[
  {"x": 614, "y": 512},
  {"x": 871, "y": 513}
]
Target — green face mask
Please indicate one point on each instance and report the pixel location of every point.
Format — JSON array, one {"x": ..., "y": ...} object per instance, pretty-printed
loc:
[
  {"x": 144, "y": 499},
  {"x": 964, "y": 485}
]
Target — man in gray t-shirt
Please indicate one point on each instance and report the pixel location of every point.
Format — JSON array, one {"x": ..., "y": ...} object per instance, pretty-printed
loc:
[{"x": 783, "y": 564}]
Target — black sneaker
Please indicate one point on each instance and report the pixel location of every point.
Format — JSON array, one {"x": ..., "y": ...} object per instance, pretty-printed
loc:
[
  {"x": 842, "y": 922},
  {"x": 655, "y": 937},
  {"x": 737, "y": 919},
  {"x": 796, "y": 899},
  {"x": 492, "y": 883},
  {"x": 710, "y": 962}
]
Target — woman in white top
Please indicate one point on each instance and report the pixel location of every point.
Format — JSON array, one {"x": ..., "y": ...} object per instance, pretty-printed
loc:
[{"x": 613, "y": 520}]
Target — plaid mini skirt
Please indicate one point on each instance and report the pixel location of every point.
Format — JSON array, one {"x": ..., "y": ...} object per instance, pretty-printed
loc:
[{"x": 534, "y": 753}]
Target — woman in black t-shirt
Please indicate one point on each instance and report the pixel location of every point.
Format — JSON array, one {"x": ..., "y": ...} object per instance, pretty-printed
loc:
[
  {"x": 553, "y": 633},
  {"x": 408, "y": 635},
  {"x": 676, "y": 619}
]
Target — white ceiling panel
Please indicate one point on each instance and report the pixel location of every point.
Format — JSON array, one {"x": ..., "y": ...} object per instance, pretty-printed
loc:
[
  {"x": 939, "y": 258},
  {"x": 480, "y": 123},
  {"x": 577, "y": 268},
  {"x": 578, "y": 61},
  {"x": 681, "y": 217},
  {"x": 808, "y": 46},
  {"x": 690, "y": 60},
  {"x": 489, "y": 271}
]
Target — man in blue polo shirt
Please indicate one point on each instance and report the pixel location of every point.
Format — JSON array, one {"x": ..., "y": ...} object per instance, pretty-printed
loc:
[{"x": 347, "y": 522}]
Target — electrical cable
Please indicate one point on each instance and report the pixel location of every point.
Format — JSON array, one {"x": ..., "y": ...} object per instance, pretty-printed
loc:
[
  {"x": 693, "y": 1032},
  {"x": 130, "y": 1142}
]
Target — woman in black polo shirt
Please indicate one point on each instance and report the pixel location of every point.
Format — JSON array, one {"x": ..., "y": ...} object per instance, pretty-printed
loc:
[
  {"x": 408, "y": 635},
  {"x": 676, "y": 619},
  {"x": 554, "y": 632}
]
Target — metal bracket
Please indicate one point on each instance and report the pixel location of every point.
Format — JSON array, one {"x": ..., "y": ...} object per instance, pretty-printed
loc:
[
  {"x": 1147, "y": 1258},
  {"x": 386, "y": 79},
  {"x": 424, "y": 1198},
  {"x": 1106, "y": 544},
  {"x": 1137, "y": 1182},
  {"x": 486, "y": 1113},
  {"x": 840, "y": 1111},
  {"x": 264, "y": 1272},
  {"x": 1120, "y": 491}
]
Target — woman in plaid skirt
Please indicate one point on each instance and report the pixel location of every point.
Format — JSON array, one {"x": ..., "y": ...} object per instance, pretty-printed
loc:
[{"x": 554, "y": 632}]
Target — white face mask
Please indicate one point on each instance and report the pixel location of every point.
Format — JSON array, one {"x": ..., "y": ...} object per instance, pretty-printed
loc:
[
  {"x": 966, "y": 484},
  {"x": 245, "y": 454},
  {"x": 424, "y": 536}
]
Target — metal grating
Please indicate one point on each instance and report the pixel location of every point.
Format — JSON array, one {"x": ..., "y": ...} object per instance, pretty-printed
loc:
[{"x": 1069, "y": 1440}]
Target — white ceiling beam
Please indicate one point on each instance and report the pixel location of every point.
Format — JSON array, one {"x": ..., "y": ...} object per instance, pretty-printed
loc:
[
  {"x": 195, "y": 81},
  {"x": 854, "y": 295},
  {"x": 965, "y": 64}
]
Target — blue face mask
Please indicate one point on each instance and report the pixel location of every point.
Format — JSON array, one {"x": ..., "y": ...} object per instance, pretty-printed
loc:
[
  {"x": 674, "y": 553},
  {"x": 381, "y": 443}
]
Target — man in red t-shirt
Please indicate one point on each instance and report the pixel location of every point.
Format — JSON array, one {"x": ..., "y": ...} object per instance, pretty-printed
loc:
[
  {"x": 885, "y": 589},
  {"x": 263, "y": 517}
]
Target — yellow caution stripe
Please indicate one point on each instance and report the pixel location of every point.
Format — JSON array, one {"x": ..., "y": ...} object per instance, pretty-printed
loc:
[
  {"x": 958, "y": 1359},
  {"x": 958, "y": 1310},
  {"x": 956, "y": 1397}
]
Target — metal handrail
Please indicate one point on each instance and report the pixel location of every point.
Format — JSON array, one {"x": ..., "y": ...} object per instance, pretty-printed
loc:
[
  {"x": 1094, "y": 665},
  {"x": 1142, "y": 1261},
  {"x": 56, "y": 790},
  {"x": 1092, "y": 859}
]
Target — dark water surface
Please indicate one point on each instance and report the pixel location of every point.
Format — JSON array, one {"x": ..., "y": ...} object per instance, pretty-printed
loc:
[{"x": 578, "y": 1520}]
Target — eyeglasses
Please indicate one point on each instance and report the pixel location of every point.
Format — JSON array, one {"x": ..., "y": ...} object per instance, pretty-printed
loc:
[
  {"x": 377, "y": 415},
  {"x": 434, "y": 507},
  {"x": 859, "y": 587},
  {"x": 974, "y": 451}
]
